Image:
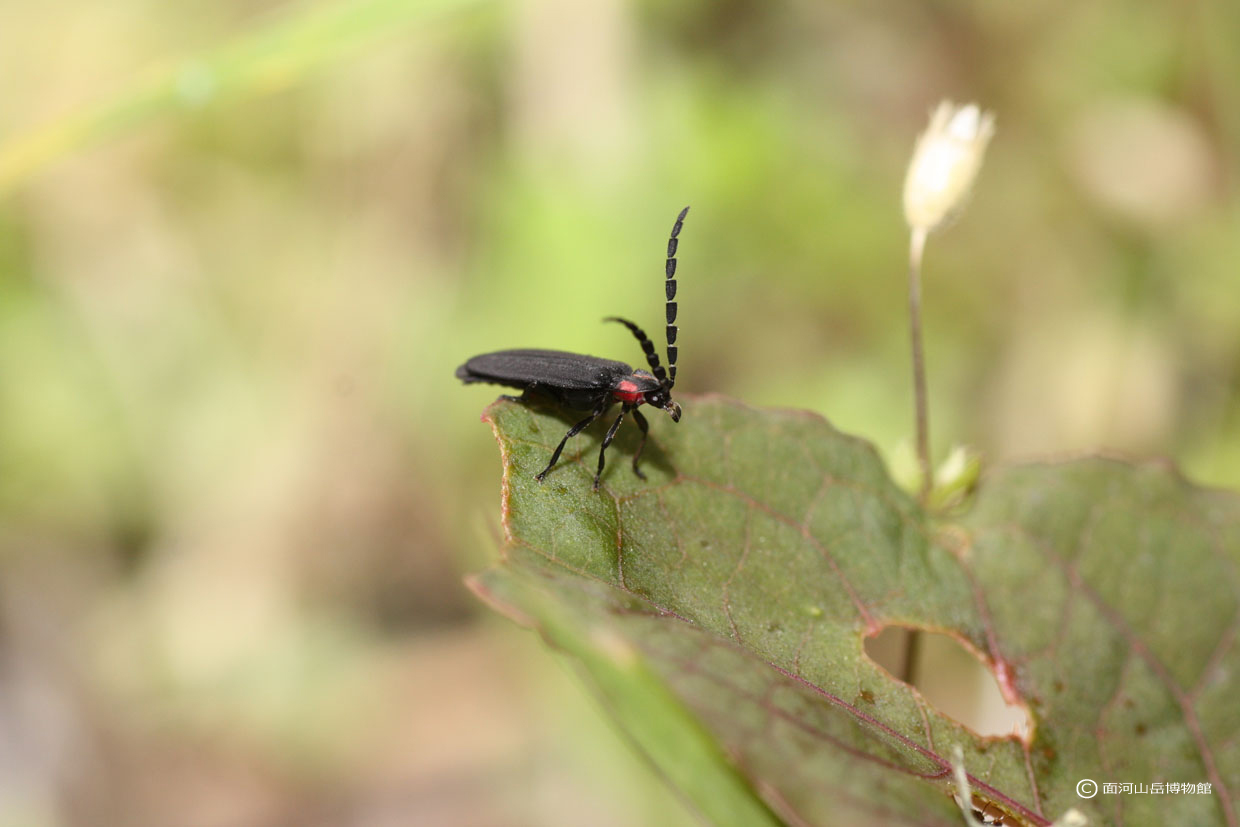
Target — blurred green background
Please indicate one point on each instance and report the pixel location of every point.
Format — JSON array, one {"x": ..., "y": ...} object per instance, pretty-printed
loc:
[{"x": 244, "y": 245}]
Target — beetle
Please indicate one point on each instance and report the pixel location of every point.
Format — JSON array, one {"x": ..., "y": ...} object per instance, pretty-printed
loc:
[{"x": 588, "y": 383}]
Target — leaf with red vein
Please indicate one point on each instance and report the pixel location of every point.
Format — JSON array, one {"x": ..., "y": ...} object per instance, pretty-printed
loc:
[{"x": 744, "y": 574}]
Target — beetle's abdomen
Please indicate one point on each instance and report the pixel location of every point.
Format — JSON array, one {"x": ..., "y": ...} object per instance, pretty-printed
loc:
[{"x": 545, "y": 368}]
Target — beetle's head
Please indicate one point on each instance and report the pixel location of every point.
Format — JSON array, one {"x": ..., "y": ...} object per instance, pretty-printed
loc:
[{"x": 662, "y": 398}]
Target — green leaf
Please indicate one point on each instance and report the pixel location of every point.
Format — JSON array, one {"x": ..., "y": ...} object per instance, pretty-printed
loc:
[{"x": 727, "y": 598}]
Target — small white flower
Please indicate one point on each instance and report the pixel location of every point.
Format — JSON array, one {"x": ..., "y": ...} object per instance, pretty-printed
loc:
[{"x": 945, "y": 163}]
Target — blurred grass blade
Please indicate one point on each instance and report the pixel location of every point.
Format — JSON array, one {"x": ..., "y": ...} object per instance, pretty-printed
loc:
[
  {"x": 662, "y": 729},
  {"x": 279, "y": 54}
]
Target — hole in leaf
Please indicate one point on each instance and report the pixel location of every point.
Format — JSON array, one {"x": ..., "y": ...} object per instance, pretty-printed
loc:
[
  {"x": 952, "y": 677},
  {"x": 987, "y": 812}
]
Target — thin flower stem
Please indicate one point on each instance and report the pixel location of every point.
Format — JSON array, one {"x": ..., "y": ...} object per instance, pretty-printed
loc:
[
  {"x": 912, "y": 653},
  {"x": 917, "y": 245}
]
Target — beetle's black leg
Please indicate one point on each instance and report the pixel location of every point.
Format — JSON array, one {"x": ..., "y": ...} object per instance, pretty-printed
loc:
[
  {"x": 572, "y": 432},
  {"x": 641, "y": 423},
  {"x": 611, "y": 434},
  {"x": 525, "y": 394}
]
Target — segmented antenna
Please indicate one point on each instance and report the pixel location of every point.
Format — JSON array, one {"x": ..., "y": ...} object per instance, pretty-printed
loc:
[
  {"x": 647, "y": 346},
  {"x": 671, "y": 300}
]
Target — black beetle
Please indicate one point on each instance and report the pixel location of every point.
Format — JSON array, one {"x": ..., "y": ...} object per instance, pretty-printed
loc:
[{"x": 588, "y": 383}]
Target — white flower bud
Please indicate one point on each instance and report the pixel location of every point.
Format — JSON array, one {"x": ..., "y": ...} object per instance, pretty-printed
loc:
[{"x": 945, "y": 162}]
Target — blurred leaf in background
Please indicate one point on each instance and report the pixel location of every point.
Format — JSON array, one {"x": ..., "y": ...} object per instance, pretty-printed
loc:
[{"x": 244, "y": 245}]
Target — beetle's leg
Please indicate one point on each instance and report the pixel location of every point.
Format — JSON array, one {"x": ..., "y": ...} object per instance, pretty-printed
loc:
[
  {"x": 611, "y": 434},
  {"x": 525, "y": 394},
  {"x": 572, "y": 432},
  {"x": 641, "y": 423}
]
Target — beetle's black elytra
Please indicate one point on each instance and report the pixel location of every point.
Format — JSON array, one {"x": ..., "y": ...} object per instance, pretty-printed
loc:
[{"x": 587, "y": 383}]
